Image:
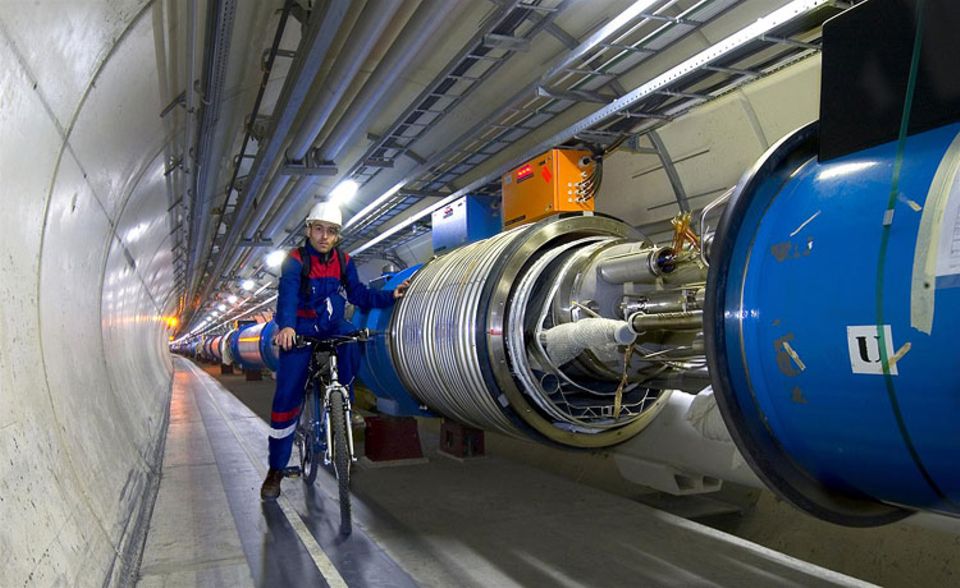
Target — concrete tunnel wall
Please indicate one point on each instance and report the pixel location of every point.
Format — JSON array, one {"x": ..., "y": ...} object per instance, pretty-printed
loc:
[{"x": 85, "y": 277}]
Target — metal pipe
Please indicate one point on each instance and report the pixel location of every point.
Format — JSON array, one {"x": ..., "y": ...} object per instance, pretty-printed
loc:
[
  {"x": 662, "y": 301},
  {"x": 422, "y": 29},
  {"x": 689, "y": 271},
  {"x": 771, "y": 21},
  {"x": 310, "y": 57},
  {"x": 189, "y": 122},
  {"x": 515, "y": 101},
  {"x": 294, "y": 197},
  {"x": 667, "y": 321},
  {"x": 278, "y": 35},
  {"x": 220, "y": 18},
  {"x": 633, "y": 265},
  {"x": 374, "y": 19}
]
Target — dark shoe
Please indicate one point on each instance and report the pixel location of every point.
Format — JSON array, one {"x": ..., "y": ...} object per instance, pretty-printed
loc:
[{"x": 271, "y": 486}]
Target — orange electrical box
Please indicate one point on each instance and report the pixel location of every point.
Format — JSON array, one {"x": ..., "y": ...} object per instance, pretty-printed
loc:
[{"x": 560, "y": 180}]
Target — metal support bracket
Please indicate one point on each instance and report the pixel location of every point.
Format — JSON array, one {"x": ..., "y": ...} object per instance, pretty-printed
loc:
[
  {"x": 506, "y": 42},
  {"x": 173, "y": 166},
  {"x": 294, "y": 168},
  {"x": 574, "y": 95},
  {"x": 255, "y": 243},
  {"x": 381, "y": 163},
  {"x": 180, "y": 100},
  {"x": 561, "y": 35},
  {"x": 310, "y": 165}
]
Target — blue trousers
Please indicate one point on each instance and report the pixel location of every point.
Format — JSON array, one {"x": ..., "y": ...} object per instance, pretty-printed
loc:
[{"x": 287, "y": 401}]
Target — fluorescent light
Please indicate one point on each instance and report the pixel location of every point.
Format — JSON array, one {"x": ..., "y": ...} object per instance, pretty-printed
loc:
[
  {"x": 232, "y": 299},
  {"x": 380, "y": 199},
  {"x": 222, "y": 307},
  {"x": 249, "y": 285},
  {"x": 275, "y": 259},
  {"x": 344, "y": 191}
]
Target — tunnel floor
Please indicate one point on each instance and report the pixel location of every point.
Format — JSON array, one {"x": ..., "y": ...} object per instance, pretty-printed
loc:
[{"x": 480, "y": 522}]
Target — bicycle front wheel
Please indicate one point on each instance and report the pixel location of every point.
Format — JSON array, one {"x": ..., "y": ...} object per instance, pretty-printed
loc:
[
  {"x": 341, "y": 454},
  {"x": 308, "y": 440}
]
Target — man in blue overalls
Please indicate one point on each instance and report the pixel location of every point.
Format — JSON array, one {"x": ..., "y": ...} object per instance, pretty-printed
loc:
[{"x": 311, "y": 301}]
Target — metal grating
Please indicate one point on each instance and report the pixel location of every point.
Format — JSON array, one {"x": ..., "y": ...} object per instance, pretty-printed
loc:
[
  {"x": 701, "y": 78},
  {"x": 592, "y": 65}
]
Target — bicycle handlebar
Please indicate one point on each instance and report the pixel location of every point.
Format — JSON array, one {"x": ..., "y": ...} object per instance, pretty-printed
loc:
[{"x": 333, "y": 341}]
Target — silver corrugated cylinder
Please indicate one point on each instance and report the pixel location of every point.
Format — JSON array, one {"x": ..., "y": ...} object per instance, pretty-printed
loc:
[
  {"x": 458, "y": 341},
  {"x": 435, "y": 332}
]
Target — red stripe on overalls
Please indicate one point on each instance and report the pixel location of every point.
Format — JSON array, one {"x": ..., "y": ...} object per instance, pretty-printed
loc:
[{"x": 279, "y": 417}]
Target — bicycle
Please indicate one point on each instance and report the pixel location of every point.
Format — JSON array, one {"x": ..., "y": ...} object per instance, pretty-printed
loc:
[{"x": 331, "y": 433}]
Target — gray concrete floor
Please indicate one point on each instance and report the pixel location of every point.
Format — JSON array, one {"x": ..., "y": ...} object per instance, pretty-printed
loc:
[{"x": 491, "y": 521}]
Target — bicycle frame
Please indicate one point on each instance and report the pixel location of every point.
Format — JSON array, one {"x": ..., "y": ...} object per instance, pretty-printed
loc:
[{"x": 318, "y": 383}]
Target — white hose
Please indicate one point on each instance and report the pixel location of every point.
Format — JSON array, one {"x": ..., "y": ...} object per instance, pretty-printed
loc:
[{"x": 564, "y": 342}]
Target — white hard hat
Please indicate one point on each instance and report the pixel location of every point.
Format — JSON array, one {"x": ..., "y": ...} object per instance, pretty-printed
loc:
[{"x": 327, "y": 212}]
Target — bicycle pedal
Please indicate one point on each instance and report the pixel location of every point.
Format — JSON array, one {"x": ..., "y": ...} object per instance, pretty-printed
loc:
[{"x": 292, "y": 472}]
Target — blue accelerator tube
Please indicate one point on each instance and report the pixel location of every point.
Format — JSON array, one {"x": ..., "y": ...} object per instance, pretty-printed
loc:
[
  {"x": 226, "y": 348},
  {"x": 377, "y": 371},
  {"x": 255, "y": 348},
  {"x": 233, "y": 341},
  {"x": 831, "y": 326}
]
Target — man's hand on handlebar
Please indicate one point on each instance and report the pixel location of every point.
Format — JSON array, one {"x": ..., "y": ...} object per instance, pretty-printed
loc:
[
  {"x": 288, "y": 339},
  {"x": 285, "y": 338},
  {"x": 400, "y": 290}
]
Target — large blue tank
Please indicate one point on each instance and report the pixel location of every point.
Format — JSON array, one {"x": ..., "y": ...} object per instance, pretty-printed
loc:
[
  {"x": 377, "y": 371},
  {"x": 833, "y": 309},
  {"x": 255, "y": 347}
]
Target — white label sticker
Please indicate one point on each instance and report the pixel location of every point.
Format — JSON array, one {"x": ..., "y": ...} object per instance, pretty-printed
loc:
[{"x": 863, "y": 343}]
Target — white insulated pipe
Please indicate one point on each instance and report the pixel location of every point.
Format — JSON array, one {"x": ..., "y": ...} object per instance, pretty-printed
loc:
[
  {"x": 421, "y": 29},
  {"x": 373, "y": 21}
]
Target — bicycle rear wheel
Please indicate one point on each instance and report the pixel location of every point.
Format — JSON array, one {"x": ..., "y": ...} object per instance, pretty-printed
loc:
[
  {"x": 341, "y": 454},
  {"x": 307, "y": 440}
]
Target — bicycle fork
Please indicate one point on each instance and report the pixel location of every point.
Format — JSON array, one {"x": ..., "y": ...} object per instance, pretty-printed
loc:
[{"x": 348, "y": 412}]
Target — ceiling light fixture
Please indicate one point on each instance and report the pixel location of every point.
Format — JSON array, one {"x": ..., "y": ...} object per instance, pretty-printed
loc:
[
  {"x": 344, "y": 191},
  {"x": 275, "y": 258}
]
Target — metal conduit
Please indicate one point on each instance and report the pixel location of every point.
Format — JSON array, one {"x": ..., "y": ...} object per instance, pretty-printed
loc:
[
  {"x": 293, "y": 198},
  {"x": 374, "y": 19},
  {"x": 419, "y": 31},
  {"x": 434, "y": 335},
  {"x": 188, "y": 134},
  {"x": 220, "y": 16},
  {"x": 458, "y": 342},
  {"x": 310, "y": 56},
  {"x": 196, "y": 273}
]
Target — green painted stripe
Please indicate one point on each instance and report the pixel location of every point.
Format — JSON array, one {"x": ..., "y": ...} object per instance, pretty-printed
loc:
[{"x": 884, "y": 241}]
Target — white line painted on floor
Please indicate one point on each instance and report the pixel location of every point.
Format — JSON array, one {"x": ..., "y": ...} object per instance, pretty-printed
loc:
[{"x": 323, "y": 563}]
